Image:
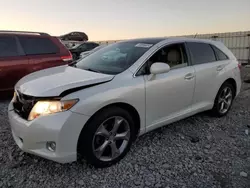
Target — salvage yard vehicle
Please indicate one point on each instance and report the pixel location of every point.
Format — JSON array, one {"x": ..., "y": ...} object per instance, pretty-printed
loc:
[
  {"x": 74, "y": 36},
  {"x": 84, "y": 54},
  {"x": 78, "y": 49},
  {"x": 97, "y": 107},
  {"x": 23, "y": 52}
]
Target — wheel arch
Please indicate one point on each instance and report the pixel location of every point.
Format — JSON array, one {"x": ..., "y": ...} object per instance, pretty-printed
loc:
[
  {"x": 128, "y": 107},
  {"x": 228, "y": 80},
  {"x": 233, "y": 83},
  {"x": 215, "y": 111}
]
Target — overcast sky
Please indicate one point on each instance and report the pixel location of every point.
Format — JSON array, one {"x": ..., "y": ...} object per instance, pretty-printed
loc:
[{"x": 121, "y": 19}]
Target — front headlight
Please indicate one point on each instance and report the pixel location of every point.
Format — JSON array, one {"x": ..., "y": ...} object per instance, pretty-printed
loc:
[{"x": 42, "y": 108}]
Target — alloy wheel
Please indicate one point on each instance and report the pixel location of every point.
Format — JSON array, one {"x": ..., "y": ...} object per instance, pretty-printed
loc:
[
  {"x": 225, "y": 100},
  {"x": 111, "y": 138}
]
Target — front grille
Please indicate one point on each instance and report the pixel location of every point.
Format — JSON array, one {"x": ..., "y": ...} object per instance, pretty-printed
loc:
[{"x": 23, "y": 104}]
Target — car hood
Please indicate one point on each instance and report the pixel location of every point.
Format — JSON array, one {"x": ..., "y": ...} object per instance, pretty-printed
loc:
[{"x": 54, "y": 81}]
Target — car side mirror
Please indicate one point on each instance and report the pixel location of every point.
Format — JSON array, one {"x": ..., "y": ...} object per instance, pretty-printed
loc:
[{"x": 159, "y": 68}]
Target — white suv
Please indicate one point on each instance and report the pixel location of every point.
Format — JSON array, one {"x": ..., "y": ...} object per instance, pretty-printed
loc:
[{"x": 99, "y": 105}]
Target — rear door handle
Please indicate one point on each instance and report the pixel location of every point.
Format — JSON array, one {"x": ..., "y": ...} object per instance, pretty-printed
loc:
[
  {"x": 189, "y": 76},
  {"x": 219, "y": 68}
]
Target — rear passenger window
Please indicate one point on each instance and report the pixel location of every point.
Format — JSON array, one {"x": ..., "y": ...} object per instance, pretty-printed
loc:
[
  {"x": 37, "y": 46},
  {"x": 201, "y": 53},
  {"x": 8, "y": 46},
  {"x": 220, "y": 55}
]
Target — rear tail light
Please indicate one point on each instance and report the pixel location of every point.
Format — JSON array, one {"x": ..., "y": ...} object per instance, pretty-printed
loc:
[{"x": 67, "y": 58}]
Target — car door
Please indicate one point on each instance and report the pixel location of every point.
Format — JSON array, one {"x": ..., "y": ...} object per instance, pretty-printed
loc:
[
  {"x": 13, "y": 63},
  {"x": 169, "y": 95},
  {"x": 208, "y": 62}
]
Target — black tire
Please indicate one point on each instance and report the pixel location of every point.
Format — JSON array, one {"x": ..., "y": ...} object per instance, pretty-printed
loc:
[
  {"x": 216, "y": 108},
  {"x": 84, "y": 147}
]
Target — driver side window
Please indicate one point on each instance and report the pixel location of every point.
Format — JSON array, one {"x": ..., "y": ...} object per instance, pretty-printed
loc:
[{"x": 174, "y": 55}]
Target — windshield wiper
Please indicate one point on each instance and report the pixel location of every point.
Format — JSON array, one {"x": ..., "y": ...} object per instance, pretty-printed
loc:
[{"x": 92, "y": 70}]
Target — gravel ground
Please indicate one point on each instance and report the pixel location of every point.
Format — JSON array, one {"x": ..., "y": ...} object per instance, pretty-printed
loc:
[{"x": 199, "y": 151}]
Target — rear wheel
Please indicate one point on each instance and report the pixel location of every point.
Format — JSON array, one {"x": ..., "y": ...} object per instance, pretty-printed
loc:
[
  {"x": 224, "y": 100},
  {"x": 107, "y": 138}
]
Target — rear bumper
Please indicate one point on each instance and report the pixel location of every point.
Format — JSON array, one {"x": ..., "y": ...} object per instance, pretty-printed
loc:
[{"x": 62, "y": 128}]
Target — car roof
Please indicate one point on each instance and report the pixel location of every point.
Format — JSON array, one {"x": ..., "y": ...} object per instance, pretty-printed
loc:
[
  {"x": 146, "y": 40},
  {"x": 169, "y": 39},
  {"x": 30, "y": 33},
  {"x": 189, "y": 39}
]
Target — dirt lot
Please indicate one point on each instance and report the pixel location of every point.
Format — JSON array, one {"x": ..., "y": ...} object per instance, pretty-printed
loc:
[{"x": 200, "y": 151}]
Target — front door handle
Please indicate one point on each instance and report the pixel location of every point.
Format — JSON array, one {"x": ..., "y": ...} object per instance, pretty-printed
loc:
[
  {"x": 219, "y": 68},
  {"x": 189, "y": 76}
]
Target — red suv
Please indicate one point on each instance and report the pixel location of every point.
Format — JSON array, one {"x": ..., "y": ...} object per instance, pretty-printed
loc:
[{"x": 22, "y": 53}]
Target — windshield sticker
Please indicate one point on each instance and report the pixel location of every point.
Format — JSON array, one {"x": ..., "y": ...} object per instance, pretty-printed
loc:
[{"x": 143, "y": 45}]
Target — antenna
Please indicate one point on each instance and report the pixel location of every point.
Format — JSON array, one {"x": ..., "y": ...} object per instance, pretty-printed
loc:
[{"x": 195, "y": 35}]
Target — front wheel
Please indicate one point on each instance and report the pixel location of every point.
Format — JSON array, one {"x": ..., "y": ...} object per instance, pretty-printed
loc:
[
  {"x": 107, "y": 138},
  {"x": 223, "y": 100}
]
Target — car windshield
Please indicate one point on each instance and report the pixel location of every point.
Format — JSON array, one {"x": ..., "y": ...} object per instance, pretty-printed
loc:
[{"x": 113, "y": 59}]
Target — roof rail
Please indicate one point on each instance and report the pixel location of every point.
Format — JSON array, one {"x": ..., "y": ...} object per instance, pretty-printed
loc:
[{"x": 25, "y": 32}]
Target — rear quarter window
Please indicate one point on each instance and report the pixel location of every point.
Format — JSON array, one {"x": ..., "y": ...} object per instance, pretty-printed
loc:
[
  {"x": 201, "y": 53},
  {"x": 220, "y": 55},
  {"x": 37, "y": 45}
]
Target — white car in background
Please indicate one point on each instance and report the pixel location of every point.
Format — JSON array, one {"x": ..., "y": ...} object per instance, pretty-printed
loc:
[
  {"x": 97, "y": 107},
  {"x": 84, "y": 54}
]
